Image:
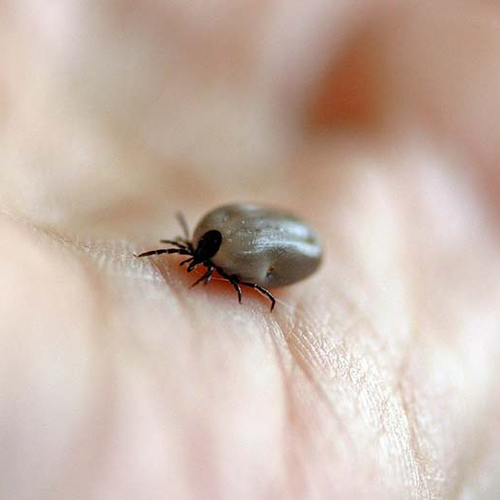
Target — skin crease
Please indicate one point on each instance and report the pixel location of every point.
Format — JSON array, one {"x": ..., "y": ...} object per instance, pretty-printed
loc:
[{"x": 375, "y": 378}]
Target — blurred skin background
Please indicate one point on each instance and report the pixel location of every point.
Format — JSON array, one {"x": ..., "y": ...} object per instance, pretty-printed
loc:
[{"x": 378, "y": 122}]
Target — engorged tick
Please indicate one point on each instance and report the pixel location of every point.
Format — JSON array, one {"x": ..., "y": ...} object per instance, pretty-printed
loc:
[{"x": 249, "y": 245}]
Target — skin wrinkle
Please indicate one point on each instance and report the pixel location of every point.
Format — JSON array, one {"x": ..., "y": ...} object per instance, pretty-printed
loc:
[
  {"x": 303, "y": 369},
  {"x": 302, "y": 436},
  {"x": 416, "y": 457},
  {"x": 415, "y": 460},
  {"x": 318, "y": 381},
  {"x": 292, "y": 423},
  {"x": 303, "y": 353},
  {"x": 399, "y": 431}
]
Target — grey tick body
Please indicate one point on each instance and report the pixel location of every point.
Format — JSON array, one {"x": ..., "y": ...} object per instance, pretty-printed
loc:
[
  {"x": 262, "y": 245},
  {"x": 249, "y": 245}
]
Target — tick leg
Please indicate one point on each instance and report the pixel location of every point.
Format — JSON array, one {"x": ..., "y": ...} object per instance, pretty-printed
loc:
[
  {"x": 175, "y": 243},
  {"x": 182, "y": 221},
  {"x": 180, "y": 243},
  {"x": 186, "y": 261},
  {"x": 193, "y": 264},
  {"x": 160, "y": 251},
  {"x": 209, "y": 275},
  {"x": 262, "y": 291},
  {"x": 237, "y": 287},
  {"x": 234, "y": 280},
  {"x": 188, "y": 245},
  {"x": 206, "y": 277}
]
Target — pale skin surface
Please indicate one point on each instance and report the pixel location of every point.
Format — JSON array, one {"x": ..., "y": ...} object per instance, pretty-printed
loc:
[{"x": 376, "y": 378}]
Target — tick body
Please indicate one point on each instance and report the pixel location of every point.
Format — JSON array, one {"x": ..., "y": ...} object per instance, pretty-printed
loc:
[{"x": 249, "y": 245}]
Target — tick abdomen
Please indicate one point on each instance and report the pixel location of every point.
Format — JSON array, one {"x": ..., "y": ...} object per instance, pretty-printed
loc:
[{"x": 266, "y": 246}]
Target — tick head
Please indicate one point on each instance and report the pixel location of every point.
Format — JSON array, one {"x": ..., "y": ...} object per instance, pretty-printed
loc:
[{"x": 208, "y": 245}]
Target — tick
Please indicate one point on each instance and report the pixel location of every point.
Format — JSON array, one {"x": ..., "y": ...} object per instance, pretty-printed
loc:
[{"x": 249, "y": 245}]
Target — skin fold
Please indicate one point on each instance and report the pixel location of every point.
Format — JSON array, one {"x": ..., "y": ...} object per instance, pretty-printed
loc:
[{"x": 375, "y": 378}]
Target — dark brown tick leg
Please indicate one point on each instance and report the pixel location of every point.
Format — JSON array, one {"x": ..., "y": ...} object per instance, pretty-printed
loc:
[
  {"x": 160, "y": 251},
  {"x": 234, "y": 280},
  {"x": 177, "y": 244},
  {"x": 237, "y": 287},
  {"x": 183, "y": 223},
  {"x": 208, "y": 275},
  {"x": 205, "y": 277},
  {"x": 187, "y": 244},
  {"x": 262, "y": 291},
  {"x": 193, "y": 264}
]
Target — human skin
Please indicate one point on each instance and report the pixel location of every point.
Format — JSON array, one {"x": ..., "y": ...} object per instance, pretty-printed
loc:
[{"x": 375, "y": 378}]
